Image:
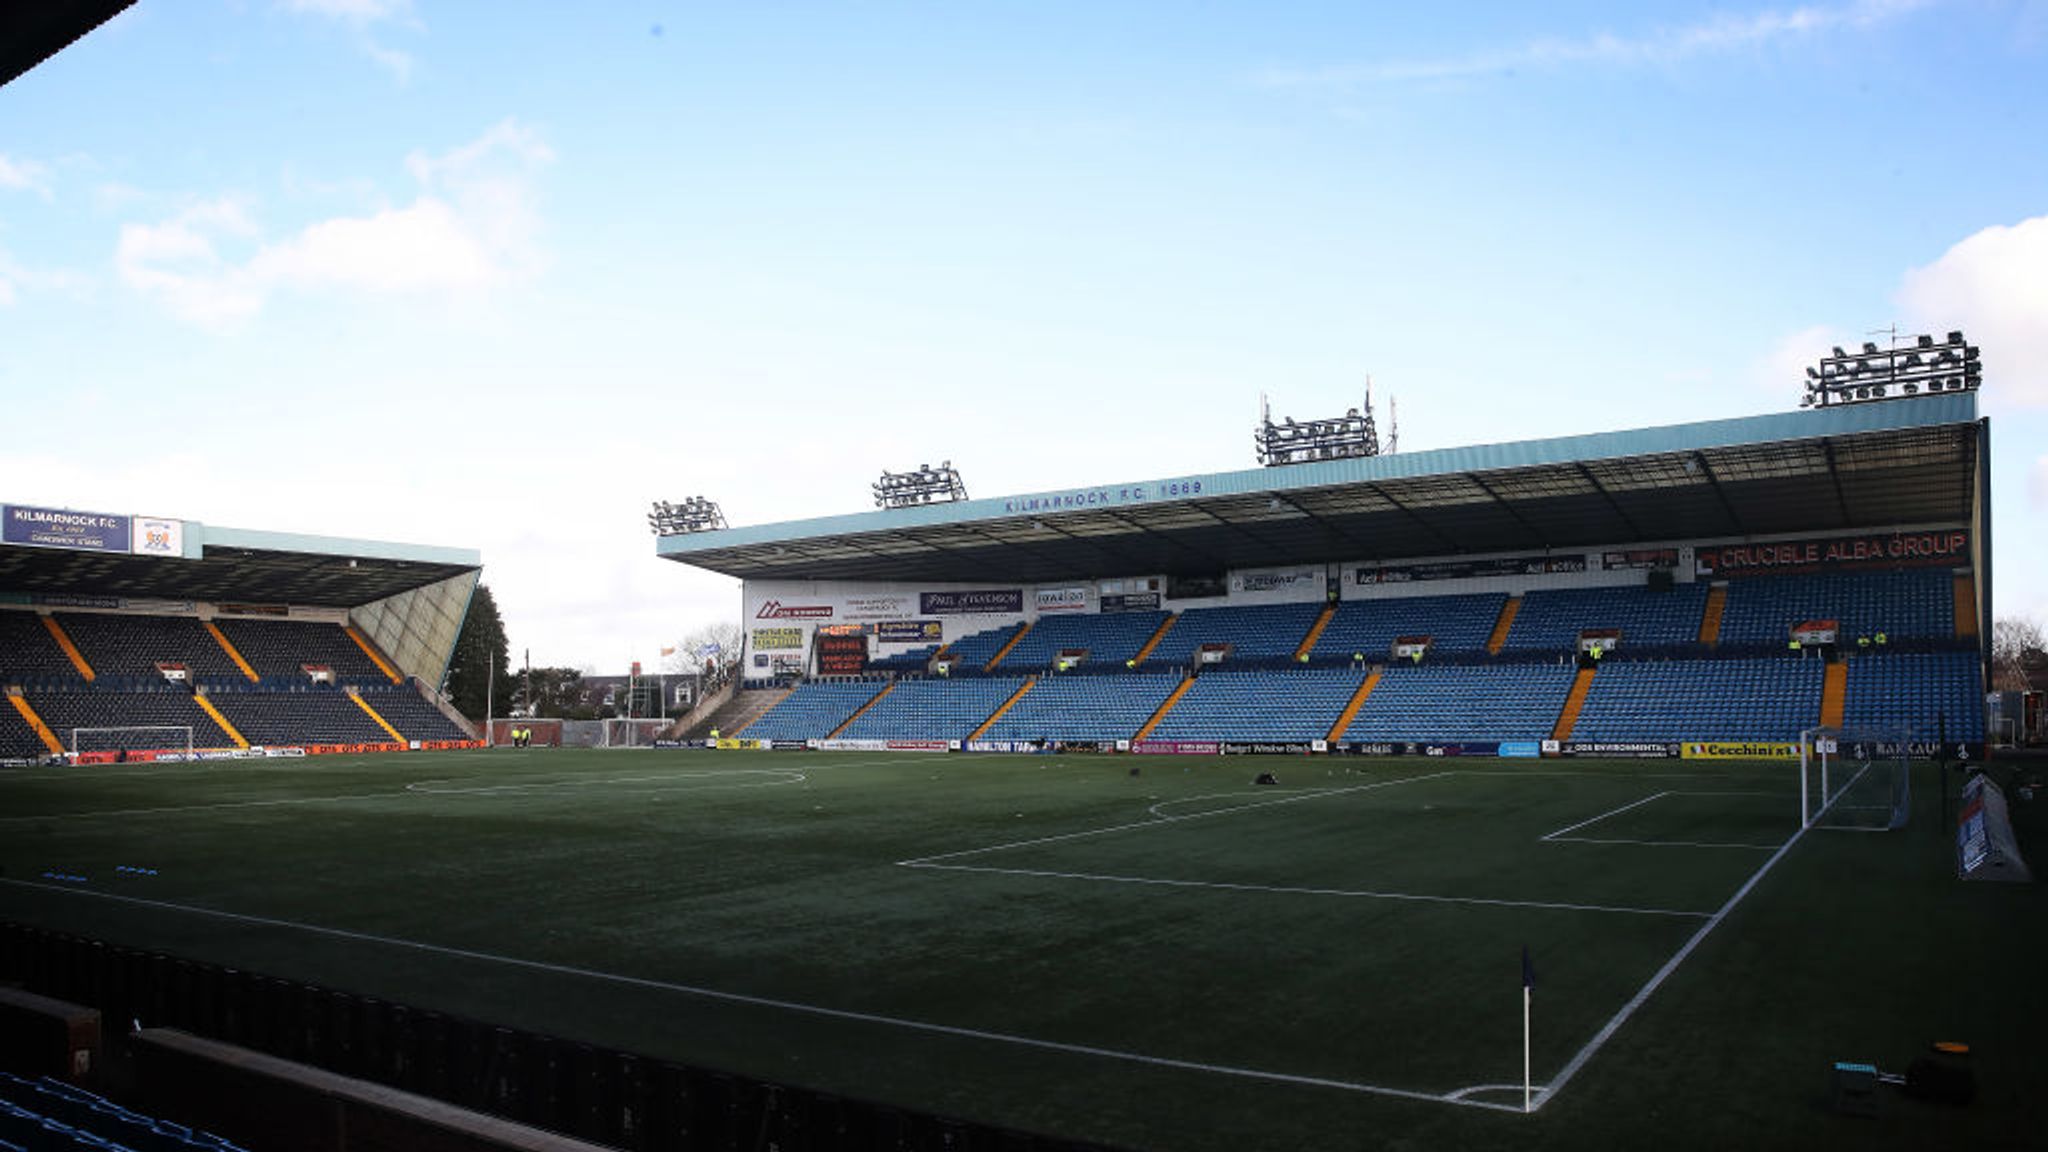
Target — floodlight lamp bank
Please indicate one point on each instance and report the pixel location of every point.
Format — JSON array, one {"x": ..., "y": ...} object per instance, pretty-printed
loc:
[
  {"x": 696, "y": 514},
  {"x": 1299, "y": 442},
  {"x": 927, "y": 485},
  {"x": 1905, "y": 369}
]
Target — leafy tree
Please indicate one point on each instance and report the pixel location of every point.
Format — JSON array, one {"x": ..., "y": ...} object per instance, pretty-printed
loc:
[
  {"x": 480, "y": 648},
  {"x": 557, "y": 693}
]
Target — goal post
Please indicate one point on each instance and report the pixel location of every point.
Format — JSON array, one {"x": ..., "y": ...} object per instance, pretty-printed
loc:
[
  {"x": 142, "y": 741},
  {"x": 1854, "y": 778}
]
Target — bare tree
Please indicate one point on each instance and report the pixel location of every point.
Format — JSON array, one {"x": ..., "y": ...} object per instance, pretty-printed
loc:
[
  {"x": 2017, "y": 645},
  {"x": 716, "y": 643}
]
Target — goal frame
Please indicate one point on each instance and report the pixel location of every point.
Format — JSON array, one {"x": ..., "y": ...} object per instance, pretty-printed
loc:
[
  {"x": 1826, "y": 755},
  {"x": 182, "y": 746}
]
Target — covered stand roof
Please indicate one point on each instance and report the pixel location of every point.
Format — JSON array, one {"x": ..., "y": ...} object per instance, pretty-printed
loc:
[
  {"x": 232, "y": 564},
  {"x": 1844, "y": 468}
]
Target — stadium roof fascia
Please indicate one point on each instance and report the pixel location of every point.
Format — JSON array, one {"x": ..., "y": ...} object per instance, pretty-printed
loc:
[
  {"x": 240, "y": 565},
  {"x": 335, "y": 546},
  {"x": 1072, "y": 527}
]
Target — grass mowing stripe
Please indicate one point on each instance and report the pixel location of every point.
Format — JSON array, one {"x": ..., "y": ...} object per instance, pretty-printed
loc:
[
  {"x": 1165, "y": 820},
  {"x": 1614, "y": 1024},
  {"x": 1291, "y": 891},
  {"x": 789, "y": 1005}
]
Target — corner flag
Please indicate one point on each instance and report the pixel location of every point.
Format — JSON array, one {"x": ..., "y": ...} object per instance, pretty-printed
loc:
[{"x": 1528, "y": 987}]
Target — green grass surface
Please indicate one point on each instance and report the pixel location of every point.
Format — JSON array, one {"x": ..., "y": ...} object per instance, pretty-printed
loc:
[{"x": 1173, "y": 960}]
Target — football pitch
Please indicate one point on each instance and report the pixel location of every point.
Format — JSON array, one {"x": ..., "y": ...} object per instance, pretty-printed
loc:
[{"x": 1147, "y": 952}]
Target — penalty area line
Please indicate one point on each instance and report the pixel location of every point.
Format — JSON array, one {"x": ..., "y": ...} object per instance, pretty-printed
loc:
[
  {"x": 1656, "y": 981},
  {"x": 700, "y": 992},
  {"x": 1162, "y": 821}
]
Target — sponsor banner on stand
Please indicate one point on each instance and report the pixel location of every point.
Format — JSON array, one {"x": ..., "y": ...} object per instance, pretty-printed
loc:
[
  {"x": 1941, "y": 546},
  {"x": 851, "y": 745},
  {"x": 1618, "y": 750},
  {"x": 777, "y": 610},
  {"x": 789, "y": 745},
  {"x": 1738, "y": 750},
  {"x": 337, "y": 749},
  {"x": 1466, "y": 569},
  {"x": 1082, "y": 746},
  {"x": 1460, "y": 748},
  {"x": 1369, "y": 748},
  {"x": 918, "y": 745},
  {"x": 1270, "y": 581},
  {"x": 671, "y": 744},
  {"x": 1005, "y": 746},
  {"x": 734, "y": 744},
  {"x": 1266, "y": 748},
  {"x": 59, "y": 528},
  {"x": 876, "y": 607},
  {"x": 1131, "y": 602},
  {"x": 910, "y": 631},
  {"x": 449, "y": 745},
  {"x": 778, "y": 639},
  {"x": 971, "y": 603},
  {"x": 66, "y": 600},
  {"x": 155, "y": 536},
  {"x": 1640, "y": 558},
  {"x": 1520, "y": 749},
  {"x": 1062, "y": 600},
  {"x": 1177, "y": 747}
]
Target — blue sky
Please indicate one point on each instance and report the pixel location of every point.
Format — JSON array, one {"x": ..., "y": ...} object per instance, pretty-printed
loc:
[{"x": 497, "y": 275}]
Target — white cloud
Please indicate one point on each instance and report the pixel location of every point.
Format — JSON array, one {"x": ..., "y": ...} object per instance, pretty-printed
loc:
[
  {"x": 2037, "y": 483},
  {"x": 1780, "y": 374},
  {"x": 24, "y": 176},
  {"x": 1726, "y": 32},
  {"x": 1991, "y": 287},
  {"x": 472, "y": 225},
  {"x": 362, "y": 16},
  {"x": 357, "y": 10}
]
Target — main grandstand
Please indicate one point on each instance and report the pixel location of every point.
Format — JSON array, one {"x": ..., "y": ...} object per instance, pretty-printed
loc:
[
  {"x": 1699, "y": 589},
  {"x": 133, "y": 637}
]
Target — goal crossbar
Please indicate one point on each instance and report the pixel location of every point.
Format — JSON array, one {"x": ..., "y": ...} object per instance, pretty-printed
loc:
[{"x": 126, "y": 738}]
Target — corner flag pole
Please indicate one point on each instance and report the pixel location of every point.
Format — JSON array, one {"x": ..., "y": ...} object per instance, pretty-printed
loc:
[{"x": 1528, "y": 986}]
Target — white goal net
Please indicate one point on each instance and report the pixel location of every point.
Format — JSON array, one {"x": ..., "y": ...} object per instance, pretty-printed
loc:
[
  {"x": 136, "y": 742},
  {"x": 1853, "y": 778}
]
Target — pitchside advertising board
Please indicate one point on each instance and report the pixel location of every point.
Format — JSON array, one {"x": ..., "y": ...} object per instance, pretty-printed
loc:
[{"x": 91, "y": 531}]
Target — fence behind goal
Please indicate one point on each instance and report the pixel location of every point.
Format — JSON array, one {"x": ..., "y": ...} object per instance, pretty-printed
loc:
[{"x": 616, "y": 733}]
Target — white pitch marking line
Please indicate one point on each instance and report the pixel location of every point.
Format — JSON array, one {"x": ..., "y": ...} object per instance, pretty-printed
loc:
[
  {"x": 791, "y": 1005},
  {"x": 1461, "y": 1093},
  {"x": 1642, "y": 995},
  {"x": 1294, "y": 891},
  {"x": 1164, "y": 820},
  {"x": 1658, "y": 843},
  {"x": 1605, "y": 815},
  {"x": 1154, "y": 810},
  {"x": 782, "y": 776}
]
